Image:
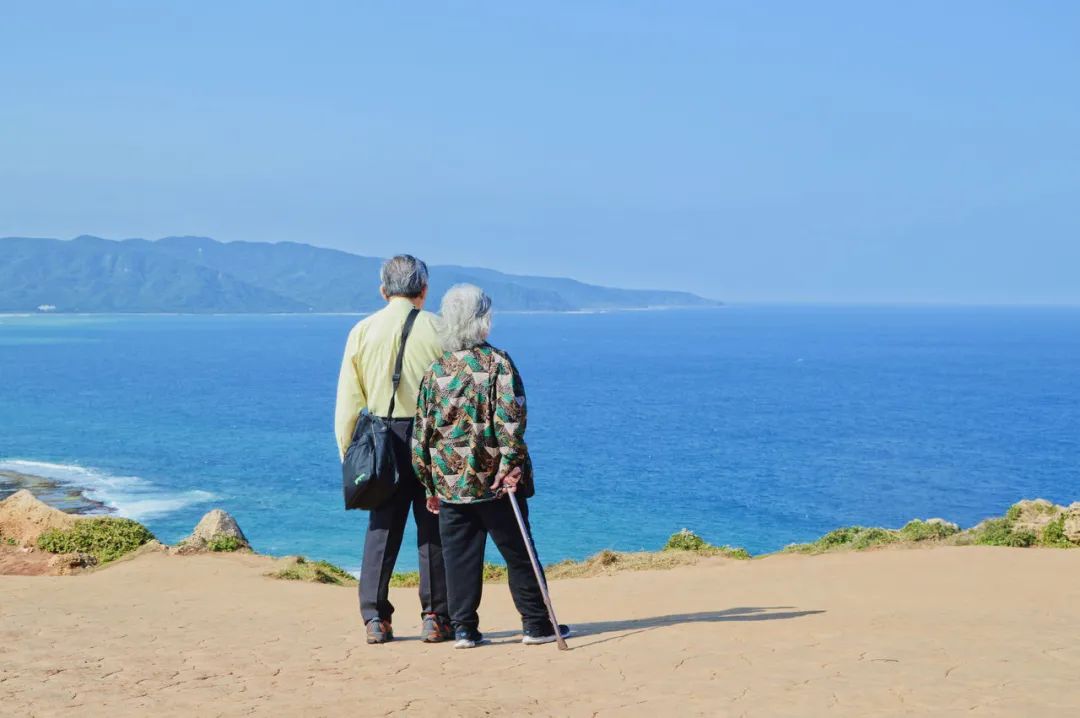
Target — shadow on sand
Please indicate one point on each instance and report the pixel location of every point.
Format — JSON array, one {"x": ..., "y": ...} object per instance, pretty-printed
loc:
[{"x": 631, "y": 626}]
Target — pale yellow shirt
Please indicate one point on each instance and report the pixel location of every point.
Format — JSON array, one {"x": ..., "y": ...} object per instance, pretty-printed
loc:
[{"x": 367, "y": 369}]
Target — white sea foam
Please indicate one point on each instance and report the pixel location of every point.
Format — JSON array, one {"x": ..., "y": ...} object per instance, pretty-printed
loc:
[{"x": 130, "y": 496}]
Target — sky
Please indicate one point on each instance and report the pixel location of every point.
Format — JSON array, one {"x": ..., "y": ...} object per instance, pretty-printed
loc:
[{"x": 746, "y": 151}]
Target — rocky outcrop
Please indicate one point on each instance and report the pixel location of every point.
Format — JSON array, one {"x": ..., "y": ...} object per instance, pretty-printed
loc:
[
  {"x": 23, "y": 518},
  {"x": 1071, "y": 527},
  {"x": 1031, "y": 522},
  {"x": 67, "y": 498},
  {"x": 65, "y": 564},
  {"x": 947, "y": 527},
  {"x": 1033, "y": 515},
  {"x": 216, "y": 531}
]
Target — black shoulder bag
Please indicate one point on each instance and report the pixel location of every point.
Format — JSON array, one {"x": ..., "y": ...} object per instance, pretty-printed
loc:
[{"x": 368, "y": 471}]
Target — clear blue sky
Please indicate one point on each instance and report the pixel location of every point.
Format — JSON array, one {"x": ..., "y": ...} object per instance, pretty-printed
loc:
[{"x": 824, "y": 151}]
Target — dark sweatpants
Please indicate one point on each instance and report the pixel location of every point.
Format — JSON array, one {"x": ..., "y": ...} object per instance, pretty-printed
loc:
[
  {"x": 465, "y": 528},
  {"x": 386, "y": 528}
]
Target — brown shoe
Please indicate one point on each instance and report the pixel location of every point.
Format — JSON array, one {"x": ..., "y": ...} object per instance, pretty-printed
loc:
[
  {"x": 436, "y": 629},
  {"x": 379, "y": 631}
]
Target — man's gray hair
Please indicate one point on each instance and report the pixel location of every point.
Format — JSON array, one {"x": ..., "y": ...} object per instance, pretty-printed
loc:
[
  {"x": 404, "y": 276},
  {"x": 466, "y": 317}
]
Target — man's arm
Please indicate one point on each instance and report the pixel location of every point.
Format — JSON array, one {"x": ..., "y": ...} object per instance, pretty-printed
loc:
[
  {"x": 423, "y": 430},
  {"x": 351, "y": 398}
]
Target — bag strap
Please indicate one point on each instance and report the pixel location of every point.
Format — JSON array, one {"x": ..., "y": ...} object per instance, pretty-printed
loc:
[{"x": 405, "y": 330}]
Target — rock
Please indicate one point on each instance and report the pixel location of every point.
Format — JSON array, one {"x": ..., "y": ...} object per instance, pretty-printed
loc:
[
  {"x": 1072, "y": 522},
  {"x": 65, "y": 564},
  {"x": 23, "y": 518},
  {"x": 949, "y": 525},
  {"x": 1033, "y": 515},
  {"x": 149, "y": 547},
  {"x": 214, "y": 526},
  {"x": 70, "y": 500}
]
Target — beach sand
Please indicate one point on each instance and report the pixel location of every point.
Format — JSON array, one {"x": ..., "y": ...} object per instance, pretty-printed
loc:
[{"x": 943, "y": 631}]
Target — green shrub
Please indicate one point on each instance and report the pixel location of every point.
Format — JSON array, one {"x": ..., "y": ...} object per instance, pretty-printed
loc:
[
  {"x": 999, "y": 532},
  {"x": 1054, "y": 534},
  {"x": 225, "y": 543},
  {"x": 838, "y": 537},
  {"x": 853, "y": 537},
  {"x": 1024, "y": 539},
  {"x": 104, "y": 538},
  {"x": 869, "y": 537},
  {"x": 918, "y": 530},
  {"x": 735, "y": 552},
  {"x": 686, "y": 540}
]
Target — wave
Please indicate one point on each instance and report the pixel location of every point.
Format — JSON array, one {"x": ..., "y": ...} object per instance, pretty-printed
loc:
[{"x": 129, "y": 496}]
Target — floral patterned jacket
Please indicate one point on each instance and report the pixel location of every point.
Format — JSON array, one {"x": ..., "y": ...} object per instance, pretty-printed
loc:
[{"x": 470, "y": 426}]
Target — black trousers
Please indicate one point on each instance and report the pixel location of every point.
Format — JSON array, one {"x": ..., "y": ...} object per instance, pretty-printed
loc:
[
  {"x": 386, "y": 528},
  {"x": 465, "y": 528}
]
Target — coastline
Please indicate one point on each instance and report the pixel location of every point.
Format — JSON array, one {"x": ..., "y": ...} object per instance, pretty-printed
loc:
[
  {"x": 597, "y": 310},
  {"x": 1028, "y": 523},
  {"x": 1023, "y": 525}
]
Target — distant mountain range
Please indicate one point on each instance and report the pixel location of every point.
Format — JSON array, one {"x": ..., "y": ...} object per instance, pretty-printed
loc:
[{"x": 196, "y": 274}]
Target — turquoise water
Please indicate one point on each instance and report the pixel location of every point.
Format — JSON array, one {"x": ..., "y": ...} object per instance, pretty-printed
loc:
[{"x": 753, "y": 426}]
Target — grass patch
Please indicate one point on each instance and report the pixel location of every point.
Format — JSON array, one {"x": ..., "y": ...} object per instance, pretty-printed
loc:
[
  {"x": 105, "y": 538},
  {"x": 1000, "y": 532},
  {"x": 315, "y": 572},
  {"x": 224, "y": 543},
  {"x": 847, "y": 537},
  {"x": 405, "y": 579},
  {"x": 493, "y": 573},
  {"x": 919, "y": 530},
  {"x": 607, "y": 561},
  {"x": 687, "y": 540}
]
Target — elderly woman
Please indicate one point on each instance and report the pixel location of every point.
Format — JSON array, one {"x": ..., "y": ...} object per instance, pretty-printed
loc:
[{"x": 468, "y": 451}]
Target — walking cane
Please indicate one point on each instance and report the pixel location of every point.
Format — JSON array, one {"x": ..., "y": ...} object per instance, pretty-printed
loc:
[{"x": 539, "y": 574}]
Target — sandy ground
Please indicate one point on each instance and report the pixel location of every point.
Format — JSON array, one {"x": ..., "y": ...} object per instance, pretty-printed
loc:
[{"x": 946, "y": 631}]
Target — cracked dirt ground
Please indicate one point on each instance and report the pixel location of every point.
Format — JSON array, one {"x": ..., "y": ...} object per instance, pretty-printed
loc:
[{"x": 946, "y": 631}]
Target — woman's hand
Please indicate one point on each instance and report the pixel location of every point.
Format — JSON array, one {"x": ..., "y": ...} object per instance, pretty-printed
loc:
[
  {"x": 507, "y": 483},
  {"x": 433, "y": 504}
]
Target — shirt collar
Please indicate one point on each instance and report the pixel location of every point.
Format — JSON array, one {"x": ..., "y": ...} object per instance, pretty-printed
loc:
[{"x": 401, "y": 302}]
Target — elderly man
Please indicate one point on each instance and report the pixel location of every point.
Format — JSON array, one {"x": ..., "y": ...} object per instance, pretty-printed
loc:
[{"x": 366, "y": 382}]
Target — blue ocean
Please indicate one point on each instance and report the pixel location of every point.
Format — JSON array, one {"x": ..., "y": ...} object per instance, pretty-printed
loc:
[{"x": 753, "y": 426}]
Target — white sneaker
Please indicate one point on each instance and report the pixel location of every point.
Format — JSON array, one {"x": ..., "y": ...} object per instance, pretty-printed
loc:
[
  {"x": 469, "y": 639},
  {"x": 540, "y": 640}
]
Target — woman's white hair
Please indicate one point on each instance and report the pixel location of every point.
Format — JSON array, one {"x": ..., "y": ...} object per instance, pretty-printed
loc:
[{"x": 466, "y": 317}]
